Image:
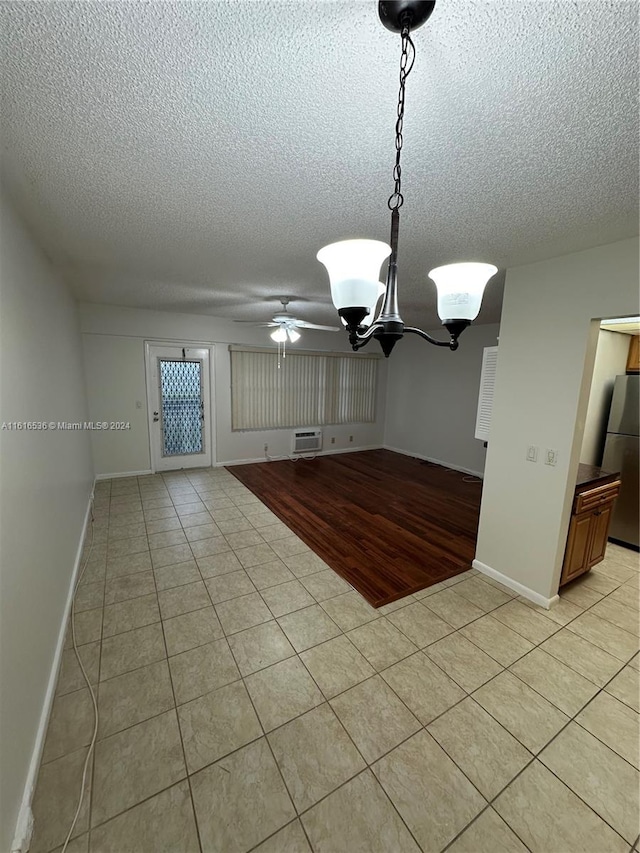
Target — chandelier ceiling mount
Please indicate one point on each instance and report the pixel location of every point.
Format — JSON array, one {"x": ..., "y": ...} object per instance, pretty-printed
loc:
[{"x": 395, "y": 13}]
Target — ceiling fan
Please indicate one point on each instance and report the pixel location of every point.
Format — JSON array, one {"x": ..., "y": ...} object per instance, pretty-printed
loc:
[{"x": 286, "y": 325}]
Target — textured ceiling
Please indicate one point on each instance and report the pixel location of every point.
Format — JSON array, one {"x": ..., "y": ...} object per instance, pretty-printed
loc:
[{"x": 195, "y": 156}]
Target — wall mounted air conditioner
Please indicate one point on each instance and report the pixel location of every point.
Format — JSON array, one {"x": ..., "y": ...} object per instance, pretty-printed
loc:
[{"x": 307, "y": 440}]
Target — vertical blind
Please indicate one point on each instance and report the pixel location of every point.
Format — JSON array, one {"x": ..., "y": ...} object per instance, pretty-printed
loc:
[{"x": 308, "y": 389}]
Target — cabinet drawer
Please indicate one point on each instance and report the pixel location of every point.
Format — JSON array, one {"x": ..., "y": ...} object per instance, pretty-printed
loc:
[{"x": 595, "y": 497}]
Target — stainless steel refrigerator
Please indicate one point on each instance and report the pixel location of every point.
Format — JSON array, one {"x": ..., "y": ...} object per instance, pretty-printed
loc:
[{"x": 621, "y": 452}]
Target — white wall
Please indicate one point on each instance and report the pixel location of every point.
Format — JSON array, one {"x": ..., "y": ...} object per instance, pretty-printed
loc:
[
  {"x": 432, "y": 398},
  {"x": 611, "y": 361},
  {"x": 114, "y": 367},
  {"x": 547, "y": 352},
  {"x": 113, "y": 340},
  {"x": 45, "y": 485}
]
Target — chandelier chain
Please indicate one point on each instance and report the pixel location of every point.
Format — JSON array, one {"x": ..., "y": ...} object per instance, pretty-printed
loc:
[{"x": 407, "y": 57}]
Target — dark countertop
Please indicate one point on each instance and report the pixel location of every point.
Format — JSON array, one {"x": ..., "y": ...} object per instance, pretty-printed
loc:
[{"x": 592, "y": 475}]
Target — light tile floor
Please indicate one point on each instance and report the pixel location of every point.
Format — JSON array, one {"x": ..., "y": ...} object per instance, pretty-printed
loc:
[{"x": 251, "y": 700}]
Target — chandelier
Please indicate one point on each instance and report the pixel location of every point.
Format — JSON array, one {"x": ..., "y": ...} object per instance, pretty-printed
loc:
[{"x": 354, "y": 265}]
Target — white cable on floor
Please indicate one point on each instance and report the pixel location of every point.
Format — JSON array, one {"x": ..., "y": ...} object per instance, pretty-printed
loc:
[
  {"x": 288, "y": 457},
  {"x": 86, "y": 678}
]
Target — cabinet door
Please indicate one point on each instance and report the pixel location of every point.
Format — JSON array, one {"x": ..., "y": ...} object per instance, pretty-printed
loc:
[
  {"x": 578, "y": 551},
  {"x": 600, "y": 521}
]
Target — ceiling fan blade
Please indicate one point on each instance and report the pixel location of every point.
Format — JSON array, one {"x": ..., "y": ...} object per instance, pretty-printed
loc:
[
  {"x": 265, "y": 325},
  {"x": 302, "y": 324},
  {"x": 253, "y": 323}
]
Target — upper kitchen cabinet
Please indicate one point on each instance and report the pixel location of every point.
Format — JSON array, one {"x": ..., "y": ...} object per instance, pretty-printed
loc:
[{"x": 633, "y": 360}]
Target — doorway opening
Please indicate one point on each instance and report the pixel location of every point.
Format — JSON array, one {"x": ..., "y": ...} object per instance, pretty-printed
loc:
[
  {"x": 179, "y": 406},
  {"x": 611, "y": 436}
]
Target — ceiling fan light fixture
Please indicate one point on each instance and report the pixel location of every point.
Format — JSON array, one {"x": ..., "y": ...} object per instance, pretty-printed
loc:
[
  {"x": 293, "y": 335},
  {"x": 353, "y": 265},
  {"x": 279, "y": 335}
]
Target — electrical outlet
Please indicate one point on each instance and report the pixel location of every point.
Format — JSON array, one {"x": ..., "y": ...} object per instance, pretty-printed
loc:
[
  {"x": 333, "y": 439},
  {"x": 532, "y": 453},
  {"x": 550, "y": 457},
  {"x": 350, "y": 438}
]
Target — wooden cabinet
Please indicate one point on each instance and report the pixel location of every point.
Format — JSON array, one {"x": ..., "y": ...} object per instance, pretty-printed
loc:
[
  {"x": 633, "y": 360},
  {"x": 589, "y": 528}
]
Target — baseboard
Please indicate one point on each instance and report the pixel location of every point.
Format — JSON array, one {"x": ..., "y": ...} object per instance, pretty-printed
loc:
[
  {"x": 123, "y": 474},
  {"x": 24, "y": 825},
  {"x": 292, "y": 456},
  {"x": 522, "y": 590},
  {"x": 444, "y": 464},
  {"x": 238, "y": 462}
]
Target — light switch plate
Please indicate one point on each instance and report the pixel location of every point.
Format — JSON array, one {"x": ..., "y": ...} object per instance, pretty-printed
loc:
[
  {"x": 532, "y": 453},
  {"x": 550, "y": 457}
]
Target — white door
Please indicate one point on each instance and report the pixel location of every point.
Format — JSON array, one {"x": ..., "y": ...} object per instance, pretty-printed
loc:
[{"x": 179, "y": 398}]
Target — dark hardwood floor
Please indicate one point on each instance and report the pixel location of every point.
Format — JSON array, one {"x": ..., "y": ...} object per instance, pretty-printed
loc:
[{"x": 388, "y": 524}]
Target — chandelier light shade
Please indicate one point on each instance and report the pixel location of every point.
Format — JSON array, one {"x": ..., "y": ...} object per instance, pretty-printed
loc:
[
  {"x": 460, "y": 288},
  {"x": 293, "y": 335},
  {"x": 354, "y": 265},
  {"x": 368, "y": 320},
  {"x": 354, "y": 271}
]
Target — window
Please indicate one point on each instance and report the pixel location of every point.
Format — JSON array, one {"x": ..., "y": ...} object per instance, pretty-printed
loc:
[{"x": 309, "y": 389}]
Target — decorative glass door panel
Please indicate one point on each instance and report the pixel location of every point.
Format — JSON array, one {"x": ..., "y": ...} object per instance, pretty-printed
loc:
[
  {"x": 179, "y": 407},
  {"x": 182, "y": 407}
]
